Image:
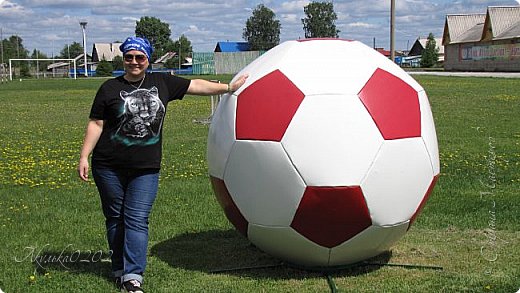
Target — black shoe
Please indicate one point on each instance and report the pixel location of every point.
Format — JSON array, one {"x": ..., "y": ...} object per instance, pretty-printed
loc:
[
  {"x": 132, "y": 286},
  {"x": 117, "y": 281}
]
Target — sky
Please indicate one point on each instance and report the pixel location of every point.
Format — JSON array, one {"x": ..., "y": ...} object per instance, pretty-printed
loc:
[{"x": 49, "y": 25}]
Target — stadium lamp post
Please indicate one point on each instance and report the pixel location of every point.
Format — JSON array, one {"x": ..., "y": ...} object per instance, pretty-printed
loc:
[
  {"x": 392, "y": 30},
  {"x": 83, "y": 26}
]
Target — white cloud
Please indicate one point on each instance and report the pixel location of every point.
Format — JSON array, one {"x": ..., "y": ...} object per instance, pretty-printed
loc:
[
  {"x": 292, "y": 6},
  {"x": 360, "y": 25}
]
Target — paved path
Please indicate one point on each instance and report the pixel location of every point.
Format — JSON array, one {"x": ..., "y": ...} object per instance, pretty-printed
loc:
[{"x": 475, "y": 74}]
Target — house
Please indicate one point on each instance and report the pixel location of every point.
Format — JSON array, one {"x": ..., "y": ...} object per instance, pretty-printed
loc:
[
  {"x": 106, "y": 51},
  {"x": 231, "y": 47},
  {"x": 483, "y": 42},
  {"x": 161, "y": 61},
  {"x": 420, "y": 44},
  {"x": 66, "y": 68}
]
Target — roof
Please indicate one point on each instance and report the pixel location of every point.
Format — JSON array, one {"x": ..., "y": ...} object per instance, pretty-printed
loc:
[
  {"x": 79, "y": 60},
  {"x": 474, "y": 34},
  {"x": 383, "y": 51},
  {"x": 512, "y": 32},
  {"x": 232, "y": 47},
  {"x": 457, "y": 25},
  {"x": 438, "y": 44},
  {"x": 419, "y": 45},
  {"x": 105, "y": 51},
  {"x": 57, "y": 65},
  {"x": 166, "y": 57},
  {"x": 502, "y": 22},
  {"x": 498, "y": 23}
]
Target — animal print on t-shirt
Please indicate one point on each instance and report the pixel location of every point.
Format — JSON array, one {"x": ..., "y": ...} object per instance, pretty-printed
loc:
[{"x": 143, "y": 116}]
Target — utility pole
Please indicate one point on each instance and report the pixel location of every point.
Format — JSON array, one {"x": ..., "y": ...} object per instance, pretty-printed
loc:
[
  {"x": 83, "y": 26},
  {"x": 180, "y": 46},
  {"x": 2, "y": 45},
  {"x": 2, "y": 67},
  {"x": 392, "y": 30}
]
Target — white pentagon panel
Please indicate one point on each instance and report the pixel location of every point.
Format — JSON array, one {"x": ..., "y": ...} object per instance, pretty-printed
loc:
[
  {"x": 397, "y": 181},
  {"x": 268, "y": 186},
  {"x": 332, "y": 140},
  {"x": 428, "y": 132},
  {"x": 285, "y": 243},
  {"x": 221, "y": 135},
  {"x": 343, "y": 69},
  {"x": 372, "y": 241},
  {"x": 265, "y": 64}
]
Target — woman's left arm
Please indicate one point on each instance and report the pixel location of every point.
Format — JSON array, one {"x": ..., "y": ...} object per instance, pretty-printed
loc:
[{"x": 206, "y": 88}]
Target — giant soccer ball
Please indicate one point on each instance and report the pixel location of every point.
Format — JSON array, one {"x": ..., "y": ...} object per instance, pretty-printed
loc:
[{"x": 326, "y": 155}]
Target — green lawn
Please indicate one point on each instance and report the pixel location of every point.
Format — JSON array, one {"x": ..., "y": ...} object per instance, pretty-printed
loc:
[{"x": 52, "y": 230}]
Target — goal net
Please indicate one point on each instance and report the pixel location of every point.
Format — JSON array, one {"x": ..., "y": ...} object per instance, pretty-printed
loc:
[{"x": 65, "y": 63}]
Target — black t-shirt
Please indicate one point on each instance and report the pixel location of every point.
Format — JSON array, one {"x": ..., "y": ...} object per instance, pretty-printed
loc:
[{"x": 133, "y": 119}]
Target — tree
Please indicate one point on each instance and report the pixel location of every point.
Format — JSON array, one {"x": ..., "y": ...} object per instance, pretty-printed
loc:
[
  {"x": 37, "y": 54},
  {"x": 117, "y": 63},
  {"x": 183, "y": 48},
  {"x": 71, "y": 51},
  {"x": 13, "y": 48},
  {"x": 262, "y": 30},
  {"x": 320, "y": 20},
  {"x": 104, "y": 68},
  {"x": 430, "y": 54},
  {"x": 42, "y": 65},
  {"x": 156, "y": 31}
]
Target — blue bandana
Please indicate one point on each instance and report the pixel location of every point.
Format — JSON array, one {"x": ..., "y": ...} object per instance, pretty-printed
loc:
[{"x": 139, "y": 44}]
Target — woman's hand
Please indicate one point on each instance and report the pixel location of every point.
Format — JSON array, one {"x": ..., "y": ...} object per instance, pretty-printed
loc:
[
  {"x": 238, "y": 82},
  {"x": 83, "y": 168},
  {"x": 203, "y": 87},
  {"x": 92, "y": 134}
]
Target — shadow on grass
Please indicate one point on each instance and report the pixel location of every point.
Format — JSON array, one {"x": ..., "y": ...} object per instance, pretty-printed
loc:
[
  {"x": 228, "y": 252},
  {"x": 95, "y": 263}
]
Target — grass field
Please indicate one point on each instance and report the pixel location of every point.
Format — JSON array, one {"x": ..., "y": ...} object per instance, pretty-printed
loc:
[{"x": 52, "y": 231}]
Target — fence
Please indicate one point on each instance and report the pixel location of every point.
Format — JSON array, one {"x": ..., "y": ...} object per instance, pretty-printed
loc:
[
  {"x": 231, "y": 63},
  {"x": 222, "y": 63},
  {"x": 203, "y": 63}
]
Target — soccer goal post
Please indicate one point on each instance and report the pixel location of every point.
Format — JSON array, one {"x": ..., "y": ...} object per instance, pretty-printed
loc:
[{"x": 30, "y": 59}]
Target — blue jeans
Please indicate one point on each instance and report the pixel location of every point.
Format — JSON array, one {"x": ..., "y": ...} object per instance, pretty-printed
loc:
[{"x": 127, "y": 196}]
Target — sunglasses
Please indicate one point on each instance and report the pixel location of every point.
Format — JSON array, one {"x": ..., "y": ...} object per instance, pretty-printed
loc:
[{"x": 138, "y": 58}]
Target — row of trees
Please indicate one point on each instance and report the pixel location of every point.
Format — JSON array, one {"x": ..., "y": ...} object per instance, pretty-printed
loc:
[{"x": 262, "y": 30}]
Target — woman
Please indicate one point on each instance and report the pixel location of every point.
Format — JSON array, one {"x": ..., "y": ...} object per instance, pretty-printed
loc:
[{"x": 124, "y": 136}]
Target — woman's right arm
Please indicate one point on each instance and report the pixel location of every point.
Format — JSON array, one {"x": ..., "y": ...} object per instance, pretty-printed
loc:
[{"x": 92, "y": 134}]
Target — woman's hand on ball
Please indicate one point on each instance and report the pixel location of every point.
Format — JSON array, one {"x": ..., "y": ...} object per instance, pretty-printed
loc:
[{"x": 238, "y": 82}]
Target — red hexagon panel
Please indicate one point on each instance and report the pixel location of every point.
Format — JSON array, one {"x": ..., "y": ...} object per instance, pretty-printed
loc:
[
  {"x": 228, "y": 205},
  {"x": 266, "y": 107},
  {"x": 393, "y": 104},
  {"x": 330, "y": 216},
  {"x": 424, "y": 200}
]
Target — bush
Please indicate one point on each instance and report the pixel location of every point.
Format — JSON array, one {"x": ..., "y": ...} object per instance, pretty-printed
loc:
[{"x": 104, "y": 68}]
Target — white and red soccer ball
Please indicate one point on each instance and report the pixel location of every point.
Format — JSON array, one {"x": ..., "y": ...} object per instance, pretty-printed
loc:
[{"x": 326, "y": 155}]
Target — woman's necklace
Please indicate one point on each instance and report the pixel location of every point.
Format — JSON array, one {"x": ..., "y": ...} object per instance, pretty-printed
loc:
[{"x": 140, "y": 84}]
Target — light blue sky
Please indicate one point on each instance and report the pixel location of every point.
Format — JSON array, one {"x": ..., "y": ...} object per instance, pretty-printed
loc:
[{"x": 50, "y": 24}]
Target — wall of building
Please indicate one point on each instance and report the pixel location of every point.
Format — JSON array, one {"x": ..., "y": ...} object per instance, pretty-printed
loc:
[{"x": 501, "y": 55}]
